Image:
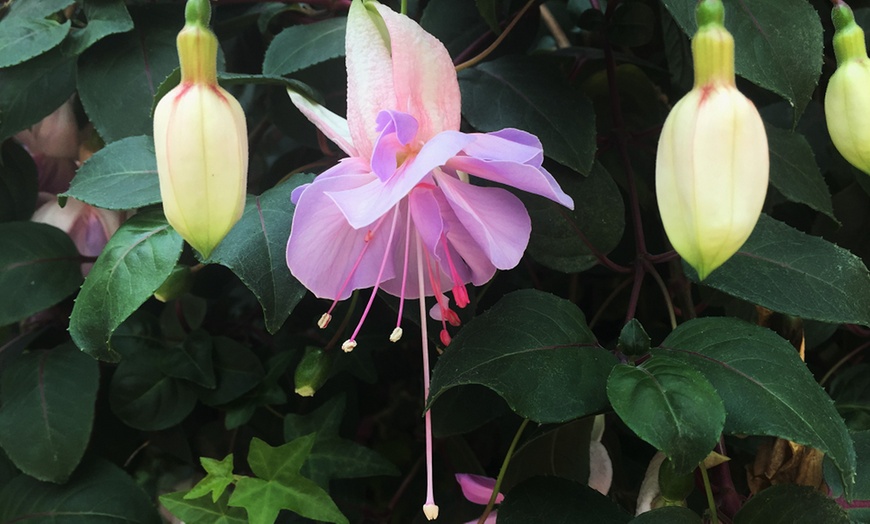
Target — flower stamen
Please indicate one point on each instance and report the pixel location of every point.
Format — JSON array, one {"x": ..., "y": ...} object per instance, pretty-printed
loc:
[
  {"x": 430, "y": 509},
  {"x": 460, "y": 293}
]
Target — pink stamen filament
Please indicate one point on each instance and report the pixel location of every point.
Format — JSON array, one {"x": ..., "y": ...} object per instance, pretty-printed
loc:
[
  {"x": 460, "y": 294},
  {"x": 404, "y": 270},
  {"x": 429, "y": 508},
  {"x": 365, "y": 313},
  {"x": 445, "y": 310}
]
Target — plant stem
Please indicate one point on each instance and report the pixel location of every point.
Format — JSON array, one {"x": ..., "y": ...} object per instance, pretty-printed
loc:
[
  {"x": 842, "y": 361},
  {"x": 404, "y": 7},
  {"x": 502, "y": 471},
  {"x": 665, "y": 293},
  {"x": 472, "y": 61},
  {"x": 714, "y": 517}
]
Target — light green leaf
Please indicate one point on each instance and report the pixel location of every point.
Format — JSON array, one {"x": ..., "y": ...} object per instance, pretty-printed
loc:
[
  {"x": 219, "y": 475},
  {"x": 24, "y": 38},
  {"x": 203, "y": 511}
]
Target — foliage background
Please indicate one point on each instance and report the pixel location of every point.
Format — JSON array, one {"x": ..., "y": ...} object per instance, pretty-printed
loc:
[{"x": 108, "y": 397}]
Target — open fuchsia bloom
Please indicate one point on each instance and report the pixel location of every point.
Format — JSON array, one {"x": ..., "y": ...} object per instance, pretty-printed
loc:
[{"x": 399, "y": 214}]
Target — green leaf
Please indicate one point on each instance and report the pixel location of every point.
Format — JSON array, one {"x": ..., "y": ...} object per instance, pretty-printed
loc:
[
  {"x": 219, "y": 475},
  {"x": 794, "y": 173},
  {"x": 31, "y": 90},
  {"x": 487, "y": 10},
  {"x": 39, "y": 267},
  {"x": 301, "y": 46},
  {"x": 256, "y": 251},
  {"x": 145, "y": 398},
  {"x": 567, "y": 240},
  {"x": 333, "y": 457},
  {"x": 850, "y": 390},
  {"x": 122, "y": 175},
  {"x": 633, "y": 339},
  {"x": 280, "y": 486},
  {"x": 41, "y": 9},
  {"x": 766, "y": 388},
  {"x": 790, "y": 272},
  {"x": 671, "y": 406},
  {"x": 536, "y": 351},
  {"x": 118, "y": 76},
  {"x": 790, "y": 503},
  {"x": 47, "y": 411},
  {"x": 237, "y": 371},
  {"x": 632, "y": 25},
  {"x": 19, "y": 183},
  {"x": 523, "y": 92},
  {"x": 98, "y": 492},
  {"x": 191, "y": 361},
  {"x": 668, "y": 515},
  {"x": 777, "y": 44},
  {"x": 105, "y": 17},
  {"x": 456, "y": 23},
  {"x": 465, "y": 408},
  {"x": 861, "y": 492},
  {"x": 134, "y": 263},
  {"x": 203, "y": 511},
  {"x": 558, "y": 501},
  {"x": 556, "y": 452},
  {"x": 24, "y": 38}
]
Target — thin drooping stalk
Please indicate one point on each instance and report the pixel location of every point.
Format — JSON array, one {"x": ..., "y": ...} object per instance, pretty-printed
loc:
[{"x": 502, "y": 471}]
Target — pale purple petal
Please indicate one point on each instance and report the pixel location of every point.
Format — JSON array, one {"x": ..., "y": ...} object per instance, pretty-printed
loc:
[
  {"x": 507, "y": 144},
  {"x": 346, "y": 166},
  {"x": 496, "y": 219},
  {"x": 477, "y": 488},
  {"x": 397, "y": 131},
  {"x": 362, "y": 206},
  {"x": 323, "y": 248},
  {"x": 333, "y": 126}
]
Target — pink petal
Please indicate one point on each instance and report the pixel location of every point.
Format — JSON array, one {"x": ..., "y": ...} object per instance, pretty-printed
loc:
[
  {"x": 477, "y": 488},
  {"x": 363, "y": 205},
  {"x": 333, "y": 126},
  {"x": 494, "y": 218},
  {"x": 424, "y": 78},
  {"x": 397, "y": 131}
]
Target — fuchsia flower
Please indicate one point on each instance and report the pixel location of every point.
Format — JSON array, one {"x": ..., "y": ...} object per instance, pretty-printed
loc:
[
  {"x": 400, "y": 214},
  {"x": 478, "y": 489}
]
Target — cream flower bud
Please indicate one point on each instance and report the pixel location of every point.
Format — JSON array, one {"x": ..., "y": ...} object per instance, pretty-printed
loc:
[
  {"x": 847, "y": 100},
  {"x": 201, "y": 142},
  {"x": 712, "y": 161}
]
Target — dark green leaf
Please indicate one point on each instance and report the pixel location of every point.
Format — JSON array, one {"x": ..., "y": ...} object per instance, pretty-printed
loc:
[
  {"x": 39, "y": 267},
  {"x": 632, "y": 25},
  {"x": 567, "y": 240},
  {"x": 766, "y": 388},
  {"x": 19, "y": 183},
  {"x": 301, "y": 46},
  {"x": 536, "y": 352},
  {"x": 118, "y": 76},
  {"x": 861, "y": 492},
  {"x": 794, "y": 173},
  {"x": 23, "y": 38},
  {"x": 670, "y": 405},
  {"x": 668, "y": 515},
  {"x": 41, "y": 9},
  {"x": 191, "y": 361},
  {"x": 522, "y": 92},
  {"x": 48, "y": 408},
  {"x": 31, "y": 90},
  {"x": 203, "y": 510},
  {"x": 633, "y": 339},
  {"x": 465, "y": 408},
  {"x": 122, "y": 175},
  {"x": 237, "y": 370},
  {"x": 456, "y": 23},
  {"x": 558, "y": 501},
  {"x": 98, "y": 492},
  {"x": 778, "y": 43},
  {"x": 788, "y": 503},
  {"x": 790, "y": 272},
  {"x": 487, "y": 10},
  {"x": 556, "y": 452},
  {"x": 134, "y": 263},
  {"x": 105, "y": 17},
  {"x": 256, "y": 251},
  {"x": 280, "y": 486},
  {"x": 145, "y": 398},
  {"x": 850, "y": 390}
]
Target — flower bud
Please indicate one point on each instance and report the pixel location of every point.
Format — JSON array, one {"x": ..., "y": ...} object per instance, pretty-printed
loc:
[
  {"x": 179, "y": 282},
  {"x": 201, "y": 142},
  {"x": 712, "y": 161},
  {"x": 312, "y": 371},
  {"x": 847, "y": 100}
]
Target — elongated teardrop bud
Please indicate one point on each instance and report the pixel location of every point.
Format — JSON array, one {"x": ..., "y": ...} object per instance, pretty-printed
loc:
[
  {"x": 201, "y": 141},
  {"x": 712, "y": 161}
]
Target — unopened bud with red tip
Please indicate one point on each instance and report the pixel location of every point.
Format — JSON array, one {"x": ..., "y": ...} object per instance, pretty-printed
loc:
[
  {"x": 847, "y": 100},
  {"x": 712, "y": 162},
  {"x": 312, "y": 371},
  {"x": 201, "y": 141}
]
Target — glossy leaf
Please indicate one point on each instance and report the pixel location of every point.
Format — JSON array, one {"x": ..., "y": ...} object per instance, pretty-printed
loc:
[
  {"x": 18, "y": 183},
  {"x": 850, "y": 390},
  {"x": 790, "y": 272},
  {"x": 456, "y": 23},
  {"x": 790, "y": 503},
  {"x": 556, "y": 452},
  {"x": 670, "y": 405},
  {"x": 118, "y": 76},
  {"x": 33, "y": 89},
  {"x": 633, "y": 339},
  {"x": 98, "y": 492},
  {"x": 777, "y": 44},
  {"x": 668, "y": 515},
  {"x": 522, "y": 92},
  {"x": 203, "y": 510},
  {"x": 47, "y": 411},
  {"x": 134, "y": 263},
  {"x": 39, "y": 267},
  {"x": 766, "y": 388},
  {"x": 237, "y": 371},
  {"x": 280, "y": 486},
  {"x": 536, "y": 352},
  {"x": 122, "y": 175},
  {"x": 558, "y": 501},
  {"x": 794, "y": 173},
  {"x": 567, "y": 240},
  {"x": 145, "y": 398},
  {"x": 256, "y": 250},
  {"x": 301, "y": 46},
  {"x": 861, "y": 492},
  {"x": 104, "y": 18},
  {"x": 23, "y": 38}
]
